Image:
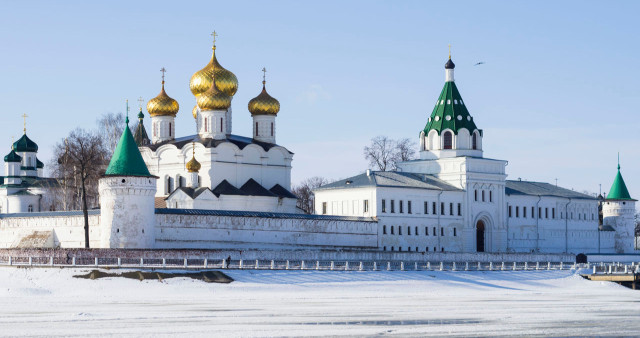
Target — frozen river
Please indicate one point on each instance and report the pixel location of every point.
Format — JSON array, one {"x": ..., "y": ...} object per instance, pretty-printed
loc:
[{"x": 49, "y": 302}]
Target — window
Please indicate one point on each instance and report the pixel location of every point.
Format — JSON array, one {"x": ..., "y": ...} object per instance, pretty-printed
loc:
[
  {"x": 434, "y": 232},
  {"x": 271, "y": 128},
  {"x": 384, "y": 229},
  {"x": 553, "y": 213},
  {"x": 392, "y": 231},
  {"x": 206, "y": 124},
  {"x": 450, "y": 209},
  {"x": 447, "y": 140},
  {"x": 459, "y": 209},
  {"x": 539, "y": 212},
  {"x": 221, "y": 124},
  {"x": 408, "y": 207},
  {"x": 490, "y": 196},
  {"x": 517, "y": 212},
  {"x": 399, "y": 248},
  {"x": 392, "y": 248},
  {"x": 399, "y": 230},
  {"x": 324, "y": 208},
  {"x": 155, "y": 129},
  {"x": 384, "y": 206},
  {"x": 510, "y": 211},
  {"x": 169, "y": 129},
  {"x": 441, "y": 208},
  {"x": 433, "y": 207},
  {"x": 393, "y": 205},
  {"x": 482, "y": 195},
  {"x": 533, "y": 212},
  {"x": 475, "y": 195},
  {"x": 524, "y": 212},
  {"x": 426, "y": 208},
  {"x": 455, "y": 232},
  {"x": 257, "y": 129},
  {"x": 365, "y": 206},
  {"x": 442, "y": 249},
  {"x": 546, "y": 212},
  {"x": 441, "y": 231},
  {"x": 416, "y": 232},
  {"x": 409, "y": 231},
  {"x": 384, "y": 248},
  {"x": 401, "y": 204},
  {"x": 409, "y": 249},
  {"x": 30, "y": 208},
  {"x": 474, "y": 141},
  {"x": 426, "y": 231},
  {"x": 169, "y": 185},
  {"x": 426, "y": 249}
]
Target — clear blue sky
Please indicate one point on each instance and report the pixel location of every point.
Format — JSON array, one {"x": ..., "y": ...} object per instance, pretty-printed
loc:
[{"x": 557, "y": 97}]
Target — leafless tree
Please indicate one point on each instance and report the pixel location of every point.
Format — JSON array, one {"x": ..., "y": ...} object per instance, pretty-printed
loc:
[
  {"x": 305, "y": 193},
  {"x": 81, "y": 162},
  {"x": 110, "y": 129},
  {"x": 384, "y": 153}
]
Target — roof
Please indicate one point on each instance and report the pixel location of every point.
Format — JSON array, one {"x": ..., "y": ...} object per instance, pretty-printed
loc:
[
  {"x": 193, "y": 193},
  {"x": 51, "y": 213},
  {"x": 39, "y": 164},
  {"x": 25, "y": 144},
  {"x": 619, "y": 189},
  {"x": 171, "y": 211},
  {"x": 542, "y": 189},
  {"x": 226, "y": 188},
  {"x": 126, "y": 159},
  {"x": 253, "y": 188},
  {"x": 13, "y": 157},
  {"x": 34, "y": 182},
  {"x": 394, "y": 179},
  {"x": 450, "y": 112},
  {"x": 239, "y": 141},
  {"x": 280, "y": 191},
  {"x": 140, "y": 134}
]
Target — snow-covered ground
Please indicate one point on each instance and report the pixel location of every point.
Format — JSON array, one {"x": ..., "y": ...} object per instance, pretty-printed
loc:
[{"x": 49, "y": 302}]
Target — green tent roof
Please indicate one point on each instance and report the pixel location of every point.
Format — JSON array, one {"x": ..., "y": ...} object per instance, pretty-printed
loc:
[
  {"x": 126, "y": 159},
  {"x": 12, "y": 157},
  {"x": 25, "y": 144},
  {"x": 450, "y": 112},
  {"x": 618, "y": 190}
]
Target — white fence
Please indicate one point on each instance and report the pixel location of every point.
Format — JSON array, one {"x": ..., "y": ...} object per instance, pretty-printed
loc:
[{"x": 615, "y": 268}]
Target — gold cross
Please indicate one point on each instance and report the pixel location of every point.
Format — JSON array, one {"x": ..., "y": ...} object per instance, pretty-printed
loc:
[
  {"x": 140, "y": 102},
  {"x": 214, "y": 34},
  {"x": 449, "y": 51},
  {"x": 24, "y": 117},
  {"x": 264, "y": 75},
  {"x": 127, "y": 102},
  {"x": 163, "y": 71}
]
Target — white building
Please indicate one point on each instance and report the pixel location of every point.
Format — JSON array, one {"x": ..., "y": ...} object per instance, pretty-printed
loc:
[
  {"x": 453, "y": 199},
  {"x": 234, "y": 172}
]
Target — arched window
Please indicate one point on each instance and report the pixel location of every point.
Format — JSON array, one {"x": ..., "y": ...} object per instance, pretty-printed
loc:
[
  {"x": 271, "y": 128},
  {"x": 221, "y": 124},
  {"x": 30, "y": 208},
  {"x": 169, "y": 129},
  {"x": 474, "y": 141},
  {"x": 256, "y": 128},
  {"x": 447, "y": 140}
]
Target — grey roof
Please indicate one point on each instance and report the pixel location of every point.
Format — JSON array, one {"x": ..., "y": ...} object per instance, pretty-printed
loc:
[
  {"x": 281, "y": 191},
  {"x": 51, "y": 213},
  {"x": 171, "y": 211},
  {"x": 34, "y": 182},
  {"x": 226, "y": 188},
  {"x": 605, "y": 228},
  {"x": 394, "y": 179},
  {"x": 542, "y": 189},
  {"x": 239, "y": 141},
  {"x": 253, "y": 188},
  {"x": 193, "y": 193}
]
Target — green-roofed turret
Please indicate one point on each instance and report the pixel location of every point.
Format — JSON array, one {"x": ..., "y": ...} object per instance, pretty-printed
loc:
[
  {"x": 25, "y": 144},
  {"x": 12, "y": 157},
  {"x": 140, "y": 133},
  {"x": 619, "y": 189},
  {"x": 126, "y": 159}
]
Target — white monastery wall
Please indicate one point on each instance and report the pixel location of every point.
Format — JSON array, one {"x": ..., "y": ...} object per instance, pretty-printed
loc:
[{"x": 67, "y": 227}]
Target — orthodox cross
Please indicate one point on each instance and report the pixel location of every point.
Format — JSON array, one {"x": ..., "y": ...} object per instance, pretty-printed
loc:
[
  {"x": 449, "y": 51},
  {"x": 163, "y": 70},
  {"x": 264, "y": 75},
  {"x": 140, "y": 102},
  {"x": 24, "y": 117},
  {"x": 214, "y": 34}
]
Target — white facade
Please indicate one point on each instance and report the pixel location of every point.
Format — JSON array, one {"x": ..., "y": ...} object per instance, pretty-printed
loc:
[{"x": 163, "y": 128}]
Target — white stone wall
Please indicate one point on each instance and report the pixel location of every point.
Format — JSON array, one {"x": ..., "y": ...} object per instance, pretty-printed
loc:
[
  {"x": 68, "y": 228},
  {"x": 621, "y": 216},
  {"x": 264, "y": 128},
  {"x": 163, "y": 128}
]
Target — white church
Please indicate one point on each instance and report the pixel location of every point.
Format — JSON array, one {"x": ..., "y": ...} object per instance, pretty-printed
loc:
[
  {"x": 453, "y": 199},
  {"x": 217, "y": 190}
]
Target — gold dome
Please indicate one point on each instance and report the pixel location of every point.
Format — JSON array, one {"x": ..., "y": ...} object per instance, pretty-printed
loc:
[
  {"x": 214, "y": 99},
  {"x": 194, "y": 111},
  {"x": 264, "y": 104},
  {"x": 193, "y": 166},
  {"x": 163, "y": 105},
  {"x": 201, "y": 81}
]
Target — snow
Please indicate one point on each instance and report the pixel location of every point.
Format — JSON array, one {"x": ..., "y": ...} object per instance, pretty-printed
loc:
[{"x": 49, "y": 302}]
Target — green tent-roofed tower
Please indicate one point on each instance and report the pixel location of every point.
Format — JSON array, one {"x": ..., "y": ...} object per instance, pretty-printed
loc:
[
  {"x": 619, "y": 189},
  {"x": 127, "y": 160}
]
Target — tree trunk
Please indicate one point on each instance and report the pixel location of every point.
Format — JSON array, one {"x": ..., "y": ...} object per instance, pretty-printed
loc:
[{"x": 85, "y": 212}]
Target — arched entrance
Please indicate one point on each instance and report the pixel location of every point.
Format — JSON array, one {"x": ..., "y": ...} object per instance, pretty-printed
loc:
[{"x": 480, "y": 236}]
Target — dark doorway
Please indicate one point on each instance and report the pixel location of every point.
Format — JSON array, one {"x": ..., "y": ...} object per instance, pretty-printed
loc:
[{"x": 480, "y": 236}]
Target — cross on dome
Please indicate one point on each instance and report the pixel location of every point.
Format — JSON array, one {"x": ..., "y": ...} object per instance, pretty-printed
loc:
[
  {"x": 24, "y": 117},
  {"x": 264, "y": 75},
  {"x": 215, "y": 35},
  {"x": 140, "y": 102}
]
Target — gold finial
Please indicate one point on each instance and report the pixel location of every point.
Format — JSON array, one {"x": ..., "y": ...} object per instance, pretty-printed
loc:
[
  {"x": 264, "y": 76},
  {"x": 449, "y": 51},
  {"x": 140, "y": 102},
  {"x": 24, "y": 117},
  {"x": 214, "y": 34}
]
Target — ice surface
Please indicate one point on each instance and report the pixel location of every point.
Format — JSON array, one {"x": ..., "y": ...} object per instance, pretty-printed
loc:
[{"x": 49, "y": 302}]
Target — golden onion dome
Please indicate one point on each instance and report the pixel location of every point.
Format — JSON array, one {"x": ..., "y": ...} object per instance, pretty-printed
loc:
[
  {"x": 264, "y": 104},
  {"x": 201, "y": 81},
  {"x": 163, "y": 105},
  {"x": 194, "y": 111},
  {"x": 193, "y": 166},
  {"x": 214, "y": 99}
]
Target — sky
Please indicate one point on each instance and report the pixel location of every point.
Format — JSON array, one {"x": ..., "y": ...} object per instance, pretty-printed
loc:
[{"x": 557, "y": 95}]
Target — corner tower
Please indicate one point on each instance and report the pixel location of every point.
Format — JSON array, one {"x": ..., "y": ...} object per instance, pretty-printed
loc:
[
  {"x": 450, "y": 130},
  {"x": 127, "y": 190},
  {"x": 618, "y": 211}
]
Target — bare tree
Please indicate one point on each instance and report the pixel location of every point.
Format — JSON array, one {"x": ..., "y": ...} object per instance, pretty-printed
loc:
[
  {"x": 304, "y": 191},
  {"x": 81, "y": 161},
  {"x": 110, "y": 129},
  {"x": 385, "y": 153}
]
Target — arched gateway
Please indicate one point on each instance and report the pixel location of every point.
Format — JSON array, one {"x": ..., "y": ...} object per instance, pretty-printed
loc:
[{"x": 480, "y": 236}]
